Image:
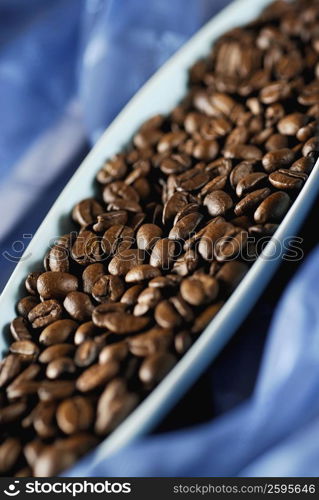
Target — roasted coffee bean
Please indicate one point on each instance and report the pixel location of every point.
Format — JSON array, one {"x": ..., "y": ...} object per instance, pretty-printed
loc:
[
  {"x": 114, "y": 405},
  {"x": 60, "y": 366},
  {"x": 75, "y": 415},
  {"x": 218, "y": 203},
  {"x": 53, "y": 285},
  {"x": 304, "y": 165},
  {"x": 86, "y": 353},
  {"x": 141, "y": 273},
  {"x": 119, "y": 190},
  {"x": 210, "y": 234},
  {"x": 231, "y": 244},
  {"x": 58, "y": 332},
  {"x": 230, "y": 275},
  {"x": 22, "y": 389},
  {"x": 166, "y": 315},
  {"x": 185, "y": 226},
  {"x": 25, "y": 305},
  {"x": 276, "y": 141},
  {"x": 12, "y": 412},
  {"x": 31, "y": 282},
  {"x": 199, "y": 288},
  {"x": 78, "y": 305},
  {"x": 58, "y": 259},
  {"x": 10, "y": 367},
  {"x": 250, "y": 182},
  {"x": 243, "y": 152},
  {"x": 275, "y": 92},
  {"x": 124, "y": 261},
  {"x": 43, "y": 419},
  {"x": 109, "y": 219},
  {"x": 182, "y": 342},
  {"x": 90, "y": 275},
  {"x": 154, "y": 340},
  {"x": 10, "y": 451},
  {"x": 277, "y": 159},
  {"x": 155, "y": 367},
  {"x": 241, "y": 170},
  {"x": 147, "y": 236},
  {"x": 114, "y": 168},
  {"x": 218, "y": 182},
  {"x": 202, "y": 320},
  {"x": 192, "y": 179},
  {"x": 50, "y": 390},
  {"x": 119, "y": 322},
  {"x": 163, "y": 253},
  {"x": 130, "y": 296},
  {"x": 19, "y": 329},
  {"x": 108, "y": 288},
  {"x": 251, "y": 201},
  {"x": 147, "y": 300},
  {"x": 273, "y": 208},
  {"x": 55, "y": 351},
  {"x": 24, "y": 348},
  {"x": 170, "y": 280},
  {"x": 116, "y": 239},
  {"x": 86, "y": 212},
  {"x": 290, "y": 124},
  {"x": 45, "y": 313},
  {"x": 96, "y": 375},
  {"x": 287, "y": 179},
  {"x": 311, "y": 146}
]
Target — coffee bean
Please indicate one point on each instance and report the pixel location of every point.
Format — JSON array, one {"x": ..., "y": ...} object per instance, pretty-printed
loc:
[
  {"x": 10, "y": 451},
  {"x": 25, "y": 305},
  {"x": 304, "y": 165},
  {"x": 185, "y": 226},
  {"x": 141, "y": 273},
  {"x": 12, "y": 412},
  {"x": 218, "y": 203},
  {"x": 19, "y": 329},
  {"x": 199, "y": 289},
  {"x": 86, "y": 353},
  {"x": 287, "y": 179},
  {"x": 60, "y": 366},
  {"x": 230, "y": 275},
  {"x": 290, "y": 124},
  {"x": 50, "y": 390},
  {"x": 241, "y": 170},
  {"x": 116, "y": 239},
  {"x": 311, "y": 146},
  {"x": 163, "y": 253},
  {"x": 75, "y": 415},
  {"x": 250, "y": 182},
  {"x": 192, "y": 179},
  {"x": 55, "y": 351},
  {"x": 90, "y": 275},
  {"x": 275, "y": 92},
  {"x": 114, "y": 168},
  {"x": 130, "y": 296},
  {"x": 243, "y": 152},
  {"x": 273, "y": 208},
  {"x": 276, "y": 141},
  {"x": 166, "y": 315},
  {"x": 58, "y": 259},
  {"x": 147, "y": 300},
  {"x": 31, "y": 282},
  {"x": 251, "y": 201},
  {"x": 154, "y": 340},
  {"x": 124, "y": 261},
  {"x": 86, "y": 212},
  {"x": 25, "y": 348},
  {"x": 86, "y": 248},
  {"x": 114, "y": 352},
  {"x": 202, "y": 320},
  {"x": 57, "y": 332},
  {"x": 10, "y": 367},
  {"x": 96, "y": 375},
  {"x": 118, "y": 322},
  {"x": 109, "y": 219},
  {"x": 45, "y": 313},
  {"x": 155, "y": 367},
  {"x": 108, "y": 288},
  {"x": 277, "y": 159},
  {"x": 182, "y": 342},
  {"x": 78, "y": 305}
]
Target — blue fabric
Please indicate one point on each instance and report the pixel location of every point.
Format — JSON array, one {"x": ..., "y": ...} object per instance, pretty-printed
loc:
[{"x": 66, "y": 69}]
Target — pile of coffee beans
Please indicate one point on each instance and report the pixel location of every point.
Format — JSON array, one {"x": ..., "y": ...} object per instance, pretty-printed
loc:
[{"x": 176, "y": 222}]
